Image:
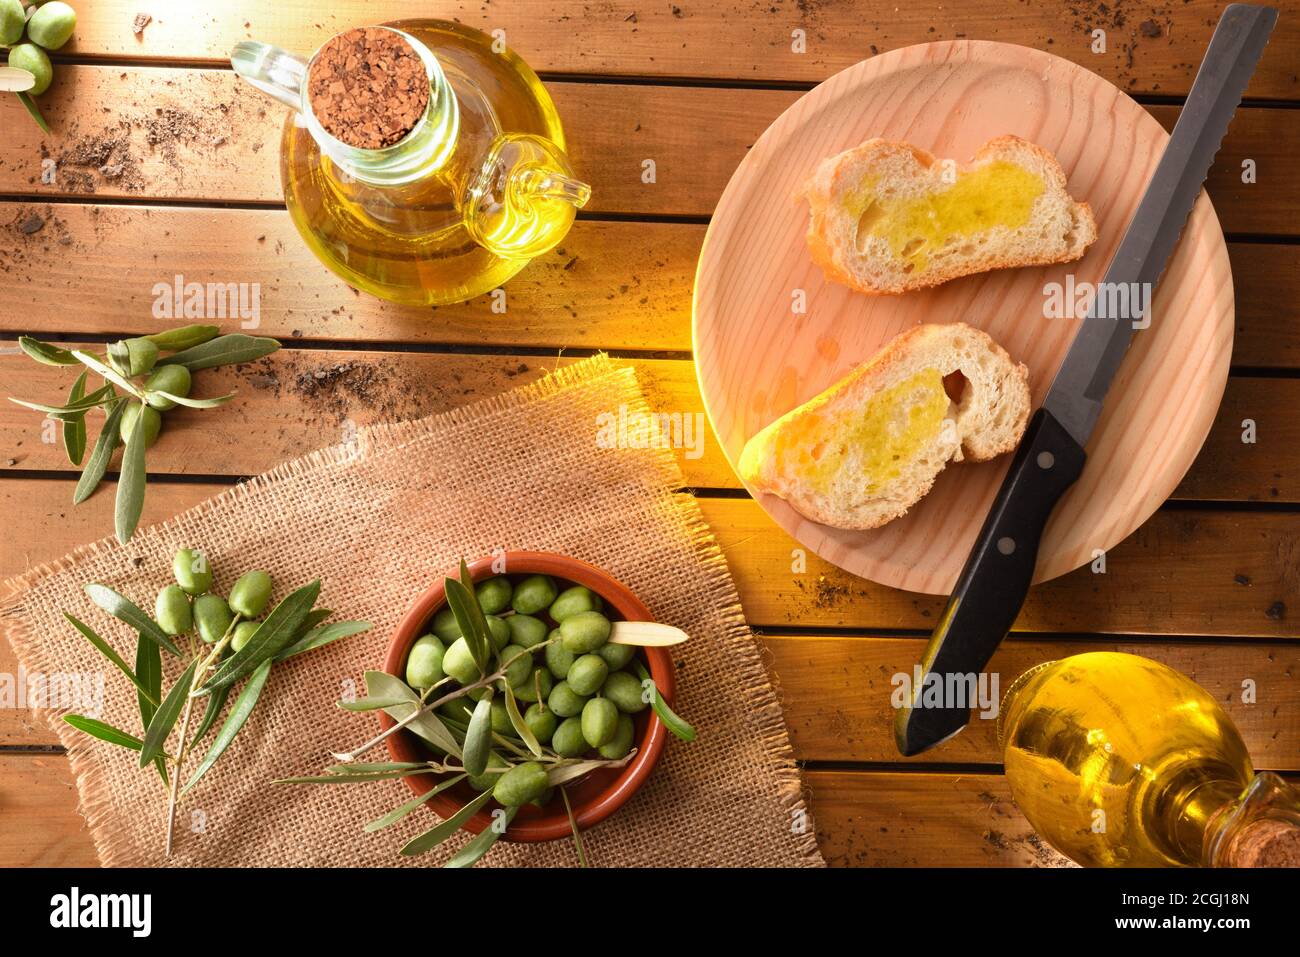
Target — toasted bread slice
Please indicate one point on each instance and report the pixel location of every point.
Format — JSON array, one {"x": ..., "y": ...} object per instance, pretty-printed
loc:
[
  {"x": 869, "y": 447},
  {"x": 887, "y": 217}
]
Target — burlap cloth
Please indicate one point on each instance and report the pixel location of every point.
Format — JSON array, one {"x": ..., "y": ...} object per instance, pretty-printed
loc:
[{"x": 377, "y": 519}]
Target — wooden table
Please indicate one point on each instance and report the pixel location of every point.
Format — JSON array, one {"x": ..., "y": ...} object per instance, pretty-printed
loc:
[{"x": 1210, "y": 585}]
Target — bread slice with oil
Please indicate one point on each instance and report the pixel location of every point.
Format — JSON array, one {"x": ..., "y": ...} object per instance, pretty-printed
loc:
[
  {"x": 887, "y": 217},
  {"x": 868, "y": 448}
]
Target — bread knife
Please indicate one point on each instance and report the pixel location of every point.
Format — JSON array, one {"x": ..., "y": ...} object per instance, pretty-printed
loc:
[{"x": 996, "y": 577}]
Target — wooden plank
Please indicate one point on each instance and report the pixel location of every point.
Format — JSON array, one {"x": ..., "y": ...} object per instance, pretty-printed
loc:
[
  {"x": 922, "y": 820},
  {"x": 1183, "y": 573},
  {"x": 283, "y": 411},
  {"x": 298, "y": 400},
  {"x": 862, "y": 819},
  {"x": 610, "y": 284},
  {"x": 836, "y": 693},
  {"x": 728, "y": 39},
  {"x": 203, "y": 136}
]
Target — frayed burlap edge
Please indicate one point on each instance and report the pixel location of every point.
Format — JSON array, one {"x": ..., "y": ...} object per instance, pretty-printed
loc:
[{"x": 96, "y": 806}]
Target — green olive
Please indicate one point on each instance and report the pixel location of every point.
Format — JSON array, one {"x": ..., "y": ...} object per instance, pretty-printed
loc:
[
  {"x": 567, "y": 741},
  {"x": 493, "y": 595},
  {"x": 518, "y": 664},
  {"x": 51, "y": 26},
  {"x": 616, "y": 656},
  {"x": 445, "y": 625},
  {"x": 172, "y": 611},
  {"x": 142, "y": 356},
  {"x": 541, "y": 722},
  {"x": 12, "y": 21},
  {"x": 424, "y": 662},
  {"x": 535, "y": 593},
  {"x": 625, "y": 691},
  {"x": 574, "y": 600},
  {"x": 459, "y": 663},
  {"x": 586, "y": 631},
  {"x": 618, "y": 746},
  {"x": 212, "y": 616},
  {"x": 521, "y": 784},
  {"x": 251, "y": 593},
  {"x": 192, "y": 571},
  {"x": 458, "y": 709},
  {"x": 501, "y": 717},
  {"x": 30, "y": 57},
  {"x": 483, "y": 782},
  {"x": 564, "y": 701},
  {"x": 587, "y": 675},
  {"x": 526, "y": 630},
  {"x": 558, "y": 658},
  {"x": 599, "y": 721},
  {"x": 527, "y": 691},
  {"x": 152, "y": 423},
  {"x": 499, "y": 629},
  {"x": 243, "y": 631},
  {"x": 173, "y": 379}
]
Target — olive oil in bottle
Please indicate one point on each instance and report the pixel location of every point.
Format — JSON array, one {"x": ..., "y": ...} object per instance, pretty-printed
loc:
[{"x": 1119, "y": 761}]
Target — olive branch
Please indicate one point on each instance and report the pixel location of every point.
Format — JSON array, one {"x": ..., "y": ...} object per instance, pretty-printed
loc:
[{"x": 150, "y": 385}]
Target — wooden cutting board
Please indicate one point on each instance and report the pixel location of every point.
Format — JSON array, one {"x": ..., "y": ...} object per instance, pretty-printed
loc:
[{"x": 757, "y": 357}]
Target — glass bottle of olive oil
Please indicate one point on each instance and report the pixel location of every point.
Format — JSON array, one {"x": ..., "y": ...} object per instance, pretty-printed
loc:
[
  {"x": 478, "y": 187},
  {"x": 1119, "y": 761}
]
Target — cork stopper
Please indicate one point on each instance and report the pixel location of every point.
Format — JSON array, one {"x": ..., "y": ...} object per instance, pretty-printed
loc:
[
  {"x": 368, "y": 87},
  {"x": 1267, "y": 843}
]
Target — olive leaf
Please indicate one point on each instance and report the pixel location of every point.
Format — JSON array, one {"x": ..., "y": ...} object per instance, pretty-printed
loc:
[
  {"x": 473, "y": 626},
  {"x": 371, "y": 704},
  {"x": 473, "y": 852},
  {"x": 164, "y": 719},
  {"x": 45, "y": 353},
  {"x": 436, "y": 835},
  {"x": 666, "y": 714},
  {"x": 124, "y": 610},
  {"x": 223, "y": 350},
  {"x": 321, "y": 636},
  {"x": 108, "y": 652},
  {"x": 148, "y": 668},
  {"x": 519, "y": 724},
  {"x": 573, "y": 827},
  {"x": 349, "y": 777},
  {"x": 105, "y": 732},
  {"x": 74, "y": 407},
  {"x": 102, "y": 454},
  {"x": 74, "y": 430},
  {"x": 216, "y": 701},
  {"x": 478, "y": 737},
  {"x": 399, "y": 812},
  {"x": 183, "y": 337},
  {"x": 34, "y": 111},
  {"x": 129, "y": 504},
  {"x": 380, "y": 684},
  {"x": 272, "y": 635},
  {"x": 191, "y": 403},
  {"x": 239, "y": 713},
  {"x": 564, "y": 773},
  {"x": 112, "y": 375}
]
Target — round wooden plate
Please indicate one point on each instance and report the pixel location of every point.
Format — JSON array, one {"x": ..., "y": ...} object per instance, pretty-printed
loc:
[{"x": 757, "y": 358}]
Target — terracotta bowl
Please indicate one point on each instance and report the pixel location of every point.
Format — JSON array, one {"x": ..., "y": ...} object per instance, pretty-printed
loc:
[{"x": 600, "y": 793}]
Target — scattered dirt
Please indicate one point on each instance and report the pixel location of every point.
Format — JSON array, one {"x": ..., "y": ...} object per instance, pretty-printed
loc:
[
  {"x": 138, "y": 24},
  {"x": 31, "y": 230},
  {"x": 335, "y": 390},
  {"x": 1276, "y": 611}
]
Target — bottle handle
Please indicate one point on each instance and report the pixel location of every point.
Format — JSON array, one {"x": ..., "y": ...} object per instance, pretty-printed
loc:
[{"x": 275, "y": 72}]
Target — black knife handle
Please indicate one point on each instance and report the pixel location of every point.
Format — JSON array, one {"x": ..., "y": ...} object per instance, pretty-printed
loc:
[{"x": 994, "y": 580}]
